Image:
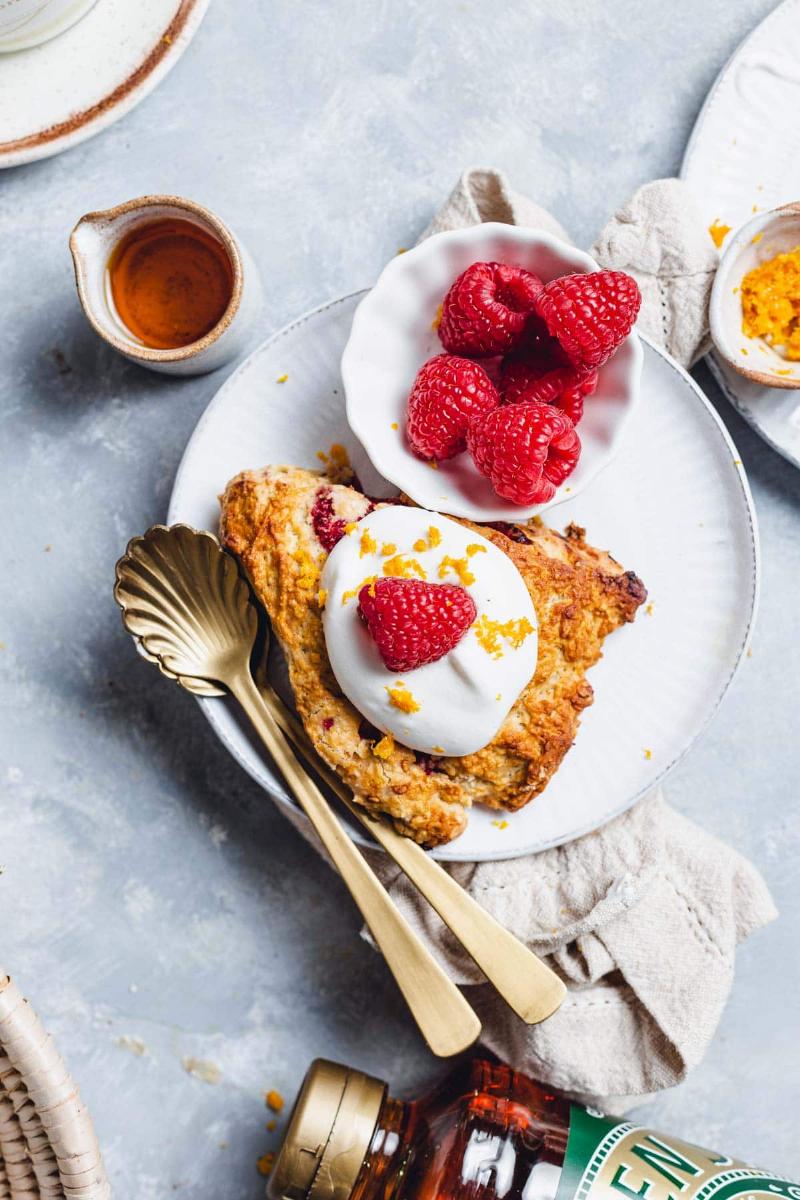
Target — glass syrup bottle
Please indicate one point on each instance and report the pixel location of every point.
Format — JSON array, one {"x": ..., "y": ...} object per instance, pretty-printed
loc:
[{"x": 487, "y": 1132}]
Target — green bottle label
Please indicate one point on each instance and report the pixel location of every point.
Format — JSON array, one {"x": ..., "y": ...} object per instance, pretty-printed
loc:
[{"x": 614, "y": 1160}]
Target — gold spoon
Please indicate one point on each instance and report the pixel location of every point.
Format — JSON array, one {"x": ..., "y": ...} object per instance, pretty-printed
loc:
[
  {"x": 182, "y": 596},
  {"x": 526, "y": 984}
]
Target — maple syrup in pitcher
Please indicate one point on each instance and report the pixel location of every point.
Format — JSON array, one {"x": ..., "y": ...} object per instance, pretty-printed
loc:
[
  {"x": 487, "y": 1133},
  {"x": 170, "y": 281}
]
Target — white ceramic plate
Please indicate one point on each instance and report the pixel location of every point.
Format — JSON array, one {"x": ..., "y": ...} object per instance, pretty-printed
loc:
[
  {"x": 58, "y": 94},
  {"x": 743, "y": 156},
  {"x": 393, "y": 335},
  {"x": 675, "y": 507}
]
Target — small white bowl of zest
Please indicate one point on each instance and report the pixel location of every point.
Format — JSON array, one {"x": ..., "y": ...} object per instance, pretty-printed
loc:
[
  {"x": 394, "y": 333},
  {"x": 754, "y": 243}
]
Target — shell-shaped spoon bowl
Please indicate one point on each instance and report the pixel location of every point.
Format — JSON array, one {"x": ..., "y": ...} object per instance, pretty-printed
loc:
[
  {"x": 190, "y": 683},
  {"x": 184, "y": 600}
]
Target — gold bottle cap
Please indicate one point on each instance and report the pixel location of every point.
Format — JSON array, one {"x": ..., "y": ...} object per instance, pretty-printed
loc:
[{"x": 329, "y": 1135}]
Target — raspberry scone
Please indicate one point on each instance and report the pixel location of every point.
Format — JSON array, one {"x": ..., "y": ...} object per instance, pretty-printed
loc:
[{"x": 283, "y": 522}]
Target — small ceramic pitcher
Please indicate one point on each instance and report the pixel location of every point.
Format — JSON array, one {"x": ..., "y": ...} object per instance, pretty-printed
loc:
[
  {"x": 25, "y": 23},
  {"x": 94, "y": 238}
]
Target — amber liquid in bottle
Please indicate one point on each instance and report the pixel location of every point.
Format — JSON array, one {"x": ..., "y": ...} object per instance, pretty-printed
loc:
[
  {"x": 485, "y": 1133},
  {"x": 171, "y": 282}
]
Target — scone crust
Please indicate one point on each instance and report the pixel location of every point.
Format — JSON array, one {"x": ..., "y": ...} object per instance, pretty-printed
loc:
[{"x": 580, "y": 595}]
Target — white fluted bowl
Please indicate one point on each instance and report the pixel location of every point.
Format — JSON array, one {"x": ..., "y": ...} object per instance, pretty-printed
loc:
[{"x": 393, "y": 335}]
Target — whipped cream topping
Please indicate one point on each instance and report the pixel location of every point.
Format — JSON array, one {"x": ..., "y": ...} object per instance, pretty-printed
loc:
[{"x": 456, "y": 705}]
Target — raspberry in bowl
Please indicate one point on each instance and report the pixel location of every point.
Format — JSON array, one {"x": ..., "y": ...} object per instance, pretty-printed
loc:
[{"x": 479, "y": 318}]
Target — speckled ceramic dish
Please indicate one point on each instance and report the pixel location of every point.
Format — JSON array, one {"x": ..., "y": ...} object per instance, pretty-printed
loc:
[
  {"x": 660, "y": 679},
  {"x": 392, "y": 336},
  {"x": 755, "y": 242},
  {"x": 742, "y": 160},
  {"x": 58, "y": 94},
  {"x": 91, "y": 244}
]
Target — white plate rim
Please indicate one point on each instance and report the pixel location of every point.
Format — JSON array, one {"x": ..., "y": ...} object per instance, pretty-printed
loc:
[
  {"x": 108, "y": 114},
  {"x": 445, "y": 853},
  {"x": 714, "y": 360}
]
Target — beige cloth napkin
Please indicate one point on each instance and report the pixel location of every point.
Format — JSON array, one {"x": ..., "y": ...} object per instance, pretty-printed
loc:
[{"x": 641, "y": 918}]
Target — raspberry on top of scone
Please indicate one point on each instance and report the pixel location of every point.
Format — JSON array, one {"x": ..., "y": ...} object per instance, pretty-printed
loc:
[{"x": 413, "y": 622}]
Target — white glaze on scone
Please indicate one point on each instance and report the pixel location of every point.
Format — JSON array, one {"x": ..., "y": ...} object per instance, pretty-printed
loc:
[{"x": 465, "y": 696}]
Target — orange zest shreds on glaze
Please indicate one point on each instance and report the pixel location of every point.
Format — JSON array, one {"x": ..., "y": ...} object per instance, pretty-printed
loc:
[
  {"x": 718, "y": 232},
  {"x": 282, "y": 379},
  {"x": 322, "y": 597},
  {"x": 388, "y": 549},
  {"x": 437, "y": 320},
  {"x": 785, "y": 371},
  {"x": 433, "y": 540},
  {"x": 403, "y": 567},
  {"x": 473, "y": 548},
  {"x": 500, "y": 824},
  {"x": 400, "y": 697},
  {"x": 648, "y": 754},
  {"x": 489, "y": 634},
  {"x": 367, "y": 545},
  {"x": 394, "y": 425},
  {"x": 385, "y": 747},
  {"x": 274, "y": 1100},
  {"x": 459, "y": 567},
  {"x": 771, "y": 303},
  {"x": 370, "y": 582},
  {"x": 756, "y": 238},
  {"x": 351, "y": 527}
]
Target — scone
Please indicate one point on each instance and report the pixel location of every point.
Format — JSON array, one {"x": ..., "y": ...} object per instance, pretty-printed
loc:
[{"x": 281, "y": 522}]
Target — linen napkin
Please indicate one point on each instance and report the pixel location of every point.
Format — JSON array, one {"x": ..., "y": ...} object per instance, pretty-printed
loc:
[{"x": 641, "y": 918}]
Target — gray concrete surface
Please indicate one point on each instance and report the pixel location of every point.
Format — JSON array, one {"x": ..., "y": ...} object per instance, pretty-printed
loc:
[{"x": 149, "y": 890}]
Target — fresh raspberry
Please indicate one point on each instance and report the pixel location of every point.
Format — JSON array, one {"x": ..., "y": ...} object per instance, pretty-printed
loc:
[
  {"x": 590, "y": 315},
  {"x": 447, "y": 393},
  {"x": 413, "y": 623},
  {"x": 526, "y": 450},
  {"x": 541, "y": 377},
  {"x": 488, "y": 310},
  {"x": 571, "y": 399}
]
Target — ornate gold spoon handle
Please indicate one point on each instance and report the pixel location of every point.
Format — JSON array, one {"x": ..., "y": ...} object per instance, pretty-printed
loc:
[
  {"x": 526, "y": 984},
  {"x": 445, "y": 1018}
]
